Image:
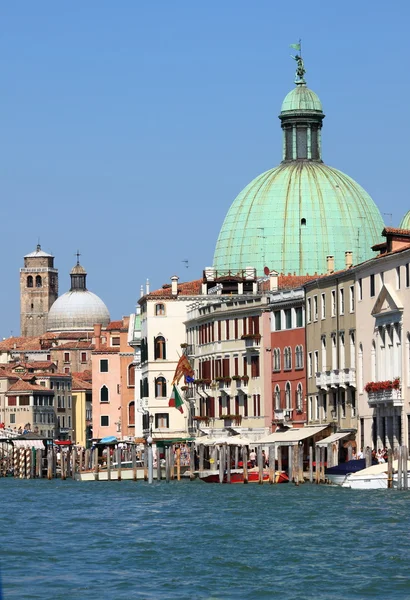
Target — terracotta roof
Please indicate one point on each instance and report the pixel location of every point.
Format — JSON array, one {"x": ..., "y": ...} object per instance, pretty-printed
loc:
[
  {"x": 394, "y": 231},
  {"x": 25, "y": 386},
  {"x": 189, "y": 288},
  {"x": 114, "y": 325},
  {"x": 288, "y": 282},
  {"x": 20, "y": 343},
  {"x": 83, "y": 375},
  {"x": 36, "y": 364},
  {"x": 50, "y": 375},
  {"x": 74, "y": 346},
  {"x": 401, "y": 249},
  {"x": 81, "y": 384},
  {"x": 104, "y": 349}
]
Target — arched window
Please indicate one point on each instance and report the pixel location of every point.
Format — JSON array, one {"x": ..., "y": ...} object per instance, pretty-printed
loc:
[
  {"x": 30, "y": 281},
  {"x": 303, "y": 222},
  {"x": 159, "y": 310},
  {"x": 131, "y": 375},
  {"x": 276, "y": 359},
  {"x": 131, "y": 413},
  {"x": 104, "y": 394},
  {"x": 39, "y": 282},
  {"x": 160, "y": 387},
  {"x": 373, "y": 363},
  {"x": 299, "y": 357},
  {"x": 160, "y": 348},
  {"x": 277, "y": 398},
  {"x": 360, "y": 365},
  {"x": 299, "y": 398},
  {"x": 288, "y": 397},
  {"x": 288, "y": 358}
]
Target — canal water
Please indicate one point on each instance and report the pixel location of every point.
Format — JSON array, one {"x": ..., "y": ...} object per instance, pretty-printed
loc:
[{"x": 190, "y": 540}]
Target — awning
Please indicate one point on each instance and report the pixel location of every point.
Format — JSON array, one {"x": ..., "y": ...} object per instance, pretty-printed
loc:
[
  {"x": 333, "y": 438},
  {"x": 291, "y": 436},
  {"x": 233, "y": 440},
  {"x": 28, "y": 444}
]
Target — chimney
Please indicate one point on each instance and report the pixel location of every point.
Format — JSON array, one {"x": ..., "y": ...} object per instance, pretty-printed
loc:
[
  {"x": 142, "y": 291},
  {"x": 97, "y": 336},
  {"x": 147, "y": 287},
  {"x": 349, "y": 260},
  {"x": 330, "y": 263},
  {"x": 273, "y": 281},
  {"x": 174, "y": 285}
]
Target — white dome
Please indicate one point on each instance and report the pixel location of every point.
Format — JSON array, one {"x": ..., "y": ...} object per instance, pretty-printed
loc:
[{"x": 77, "y": 310}]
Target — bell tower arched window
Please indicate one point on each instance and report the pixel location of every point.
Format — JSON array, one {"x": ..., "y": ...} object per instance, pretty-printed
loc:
[
  {"x": 39, "y": 282},
  {"x": 30, "y": 281},
  {"x": 160, "y": 348}
]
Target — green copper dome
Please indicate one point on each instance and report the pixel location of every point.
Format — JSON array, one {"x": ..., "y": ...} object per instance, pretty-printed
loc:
[
  {"x": 405, "y": 222},
  {"x": 301, "y": 98},
  {"x": 293, "y": 216}
]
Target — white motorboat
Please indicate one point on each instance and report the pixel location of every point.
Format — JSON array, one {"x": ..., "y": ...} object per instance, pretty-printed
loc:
[{"x": 373, "y": 478}]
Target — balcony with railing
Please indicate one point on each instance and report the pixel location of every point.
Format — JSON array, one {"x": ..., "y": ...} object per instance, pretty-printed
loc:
[
  {"x": 335, "y": 378},
  {"x": 384, "y": 393},
  {"x": 252, "y": 340}
]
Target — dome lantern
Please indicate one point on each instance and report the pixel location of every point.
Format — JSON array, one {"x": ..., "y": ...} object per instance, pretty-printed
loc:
[
  {"x": 78, "y": 276},
  {"x": 305, "y": 209},
  {"x": 78, "y": 309},
  {"x": 301, "y": 119}
]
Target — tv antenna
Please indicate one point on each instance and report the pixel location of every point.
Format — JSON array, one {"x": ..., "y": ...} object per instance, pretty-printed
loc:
[{"x": 186, "y": 263}]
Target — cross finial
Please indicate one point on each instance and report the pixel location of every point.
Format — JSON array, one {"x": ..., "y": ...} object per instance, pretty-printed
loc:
[{"x": 78, "y": 257}]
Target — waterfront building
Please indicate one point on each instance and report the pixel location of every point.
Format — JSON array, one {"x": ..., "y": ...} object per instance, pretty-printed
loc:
[
  {"x": 228, "y": 339},
  {"x": 36, "y": 394},
  {"x": 288, "y": 350},
  {"x": 38, "y": 291},
  {"x": 113, "y": 407},
  {"x": 383, "y": 343},
  {"x": 163, "y": 314},
  {"x": 331, "y": 348},
  {"x": 82, "y": 408},
  {"x": 293, "y": 216},
  {"x": 140, "y": 404}
]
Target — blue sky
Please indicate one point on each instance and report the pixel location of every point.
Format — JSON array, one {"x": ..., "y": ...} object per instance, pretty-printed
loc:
[{"x": 129, "y": 127}]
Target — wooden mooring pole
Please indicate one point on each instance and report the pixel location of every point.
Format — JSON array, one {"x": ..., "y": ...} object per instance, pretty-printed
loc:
[
  {"x": 245, "y": 463},
  {"x": 134, "y": 462},
  {"x": 389, "y": 468},
  {"x": 405, "y": 468},
  {"x": 311, "y": 464},
  {"x": 272, "y": 464}
]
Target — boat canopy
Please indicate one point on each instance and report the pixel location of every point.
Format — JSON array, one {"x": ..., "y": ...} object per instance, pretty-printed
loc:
[
  {"x": 378, "y": 469},
  {"x": 333, "y": 438},
  {"x": 291, "y": 436}
]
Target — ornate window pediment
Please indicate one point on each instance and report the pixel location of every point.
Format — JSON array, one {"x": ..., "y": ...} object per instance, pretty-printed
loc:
[{"x": 387, "y": 305}]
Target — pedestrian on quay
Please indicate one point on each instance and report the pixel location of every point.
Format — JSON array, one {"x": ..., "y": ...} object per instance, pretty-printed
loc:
[{"x": 252, "y": 457}]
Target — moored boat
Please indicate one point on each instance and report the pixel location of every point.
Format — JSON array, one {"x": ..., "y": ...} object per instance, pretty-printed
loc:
[
  {"x": 337, "y": 475},
  {"x": 373, "y": 478},
  {"x": 237, "y": 476}
]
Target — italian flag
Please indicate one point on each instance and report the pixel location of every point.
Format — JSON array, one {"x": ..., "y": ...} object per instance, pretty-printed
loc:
[{"x": 176, "y": 400}]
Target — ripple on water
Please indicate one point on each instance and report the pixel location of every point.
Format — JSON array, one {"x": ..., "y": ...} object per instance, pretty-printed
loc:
[{"x": 207, "y": 542}]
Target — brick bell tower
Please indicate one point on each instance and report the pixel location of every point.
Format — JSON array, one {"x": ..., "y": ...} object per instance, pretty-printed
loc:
[{"x": 38, "y": 291}]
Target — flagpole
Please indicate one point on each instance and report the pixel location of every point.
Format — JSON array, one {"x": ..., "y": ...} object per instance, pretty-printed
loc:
[{"x": 300, "y": 45}]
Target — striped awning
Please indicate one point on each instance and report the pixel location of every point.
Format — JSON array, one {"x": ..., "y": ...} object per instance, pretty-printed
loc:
[{"x": 333, "y": 438}]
